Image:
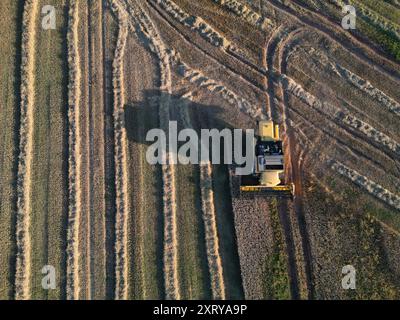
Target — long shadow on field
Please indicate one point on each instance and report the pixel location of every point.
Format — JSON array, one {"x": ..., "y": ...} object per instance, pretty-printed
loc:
[{"x": 199, "y": 116}]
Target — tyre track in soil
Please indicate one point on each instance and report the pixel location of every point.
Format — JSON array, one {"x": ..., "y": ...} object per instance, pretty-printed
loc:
[
  {"x": 23, "y": 257},
  {"x": 261, "y": 88},
  {"x": 283, "y": 208},
  {"x": 89, "y": 255},
  {"x": 359, "y": 128},
  {"x": 156, "y": 45},
  {"x": 353, "y": 134},
  {"x": 374, "y": 189},
  {"x": 237, "y": 57},
  {"x": 349, "y": 133},
  {"x": 215, "y": 267},
  {"x": 96, "y": 122},
  {"x": 357, "y": 38},
  {"x": 294, "y": 169},
  {"x": 294, "y": 165},
  {"x": 330, "y": 31},
  {"x": 346, "y": 146},
  {"x": 257, "y": 69},
  {"x": 274, "y": 45},
  {"x": 391, "y": 153}
]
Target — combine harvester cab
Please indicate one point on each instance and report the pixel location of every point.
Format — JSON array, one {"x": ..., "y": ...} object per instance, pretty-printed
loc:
[{"x": 268, "y": 171}]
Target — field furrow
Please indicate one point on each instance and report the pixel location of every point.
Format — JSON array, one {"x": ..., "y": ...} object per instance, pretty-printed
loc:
[{"x": 97, "y": 141}]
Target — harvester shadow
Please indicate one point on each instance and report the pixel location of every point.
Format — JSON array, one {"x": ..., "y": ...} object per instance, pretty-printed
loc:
[{"x": 140, "y": 118}]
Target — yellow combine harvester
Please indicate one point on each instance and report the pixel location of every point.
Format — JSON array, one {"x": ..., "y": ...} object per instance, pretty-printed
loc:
[{"x": 268, "y": 167}]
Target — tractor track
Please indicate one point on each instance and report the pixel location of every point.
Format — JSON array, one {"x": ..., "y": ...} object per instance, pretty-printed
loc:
[
  {"x": 319, "y": 60},
  {"x": 295, "y": 169},
  {"x": 326, "y": 30},
  {"x": 156, "y": 45},
  {"x": 359, "y": 137},
  {"x": 280, "y": 37},
  {"x": 384, "y": 195},
  {"x": 334, "y": 24},
  {"x": 391, "y": 152},
  {"x": 355, "y": 152},
  {"x": 90, "y": 152},
  {"x": 273, "y": 74},
  {"x": 272, "y": 46},
  {"x": 326, "y": 158},
  {"x": 343, "y": 118},
  {"x": 255, "y": 85}
]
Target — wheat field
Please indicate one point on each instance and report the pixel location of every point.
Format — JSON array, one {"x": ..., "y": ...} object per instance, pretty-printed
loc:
[{"x": 78, "y": 195}]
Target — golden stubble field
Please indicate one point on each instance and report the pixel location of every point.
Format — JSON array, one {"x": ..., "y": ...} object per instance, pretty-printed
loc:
[{"x": 76, "y": 191}]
